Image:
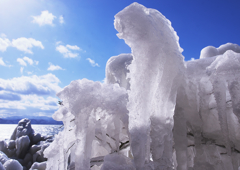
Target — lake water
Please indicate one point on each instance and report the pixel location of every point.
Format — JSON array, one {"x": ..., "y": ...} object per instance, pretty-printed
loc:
[{"x": 6, "y": 130}]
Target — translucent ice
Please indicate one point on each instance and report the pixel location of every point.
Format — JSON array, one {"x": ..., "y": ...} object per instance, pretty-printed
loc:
[{"x": 155, "y": 75}]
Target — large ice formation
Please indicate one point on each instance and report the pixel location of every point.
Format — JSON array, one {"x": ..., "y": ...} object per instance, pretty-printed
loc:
[{"x": 154, "y": 111}]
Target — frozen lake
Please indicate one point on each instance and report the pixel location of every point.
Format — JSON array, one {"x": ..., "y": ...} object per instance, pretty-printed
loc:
[{"x": 6, "y": 130}]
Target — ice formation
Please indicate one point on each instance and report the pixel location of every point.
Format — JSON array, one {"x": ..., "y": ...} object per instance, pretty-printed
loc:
[
  {"x": 154, "y": 111},
  {"x": 24, "y": 148}
]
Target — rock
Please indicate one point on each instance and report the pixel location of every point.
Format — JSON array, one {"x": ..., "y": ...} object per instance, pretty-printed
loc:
[
  {"x": 11, "y": 144},
  {"x": 36, "y": 138},
  {"x": 1, "y": 166},
  {"x": 3, "y": 157},
  {"x": 24, "y": 128},
  {"x": 34, "y": 149},
  {"x": 22, "y": 145},
  {"x": 3, "y": 147},
  {"x": 12, "y": 164},
  {"x": 39, "y": 166},
  {"x": 27, "y": 159}
]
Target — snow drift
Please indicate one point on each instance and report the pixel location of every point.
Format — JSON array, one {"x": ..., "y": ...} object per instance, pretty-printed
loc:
[{"x": 154, "y": 111}]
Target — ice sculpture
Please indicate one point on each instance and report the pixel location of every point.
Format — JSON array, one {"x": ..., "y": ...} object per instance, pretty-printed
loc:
[{"x": 154, "y": 111}]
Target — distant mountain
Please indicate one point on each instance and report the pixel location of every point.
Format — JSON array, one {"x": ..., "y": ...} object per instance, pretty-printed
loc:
[{"x": 34, "y": 120}]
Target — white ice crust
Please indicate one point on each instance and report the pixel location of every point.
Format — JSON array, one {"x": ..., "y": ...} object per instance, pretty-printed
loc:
[{"x": 154, "y": 111}]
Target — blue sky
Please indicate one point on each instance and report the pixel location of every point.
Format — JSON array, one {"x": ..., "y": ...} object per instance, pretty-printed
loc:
[{"x": 45, "y": 44}]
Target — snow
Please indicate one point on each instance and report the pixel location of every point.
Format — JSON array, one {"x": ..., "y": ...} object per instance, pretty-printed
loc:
[{"x": 211, "y": 51}]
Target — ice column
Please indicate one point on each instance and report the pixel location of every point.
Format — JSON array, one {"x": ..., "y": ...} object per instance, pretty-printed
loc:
[
  {"x": 155, "y": 75},
  {"x": 223, "y": 73}
]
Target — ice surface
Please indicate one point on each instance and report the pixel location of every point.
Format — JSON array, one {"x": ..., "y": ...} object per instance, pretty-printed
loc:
[
  {"x": 117, "y": 69},
  {"x": 93, "y": 108},
  {"x": 155, "y": 74},
  {"x": 211, "y": 51}
]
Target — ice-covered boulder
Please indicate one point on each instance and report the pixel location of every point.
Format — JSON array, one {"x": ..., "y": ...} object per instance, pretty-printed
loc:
[
  {"x": 2, "y": 167},
  {"x": 24, "y": 128},
  {"x": 3, "y": 157},
  {"x": 38, "y": 166},
  {"x": 25, "y": 146},
  {"x": 12, "y": 164},
  {"x": 22, "y": 145}
]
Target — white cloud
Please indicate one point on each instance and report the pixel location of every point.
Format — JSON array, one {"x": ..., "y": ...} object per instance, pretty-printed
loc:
[
  {"x": 36, "y": 62},
  {"x": 192, "y": 59},
  {"x": 21, "y": 69},
  {"x": 29, "y": 95},
  {"x": 39, "y": 85},
  {"x": 29, "y": 60},
  {"x": 3, "y": 35},
  {"x": 61, "y": 19},
  {"x": 92, "y": 62},
  {"x": 66, "y": 50},
  {"x": 46, "y": 18},
  {"x": 21, "y": 62},
  {"x": 54, "y": 67},
  {"x": 73, "y": 47},
  {"x": 4, "y": 43},
  {"x": 25, "y": 44},
  {"x": 2, "y": 63}
]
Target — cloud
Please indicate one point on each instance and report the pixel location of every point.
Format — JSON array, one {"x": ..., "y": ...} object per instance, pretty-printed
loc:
[
  {"x": 29, "y": 95},
  {"x": 46, "y": 18},
  {"x": 4, "y": 43},
  {"x": 26, "y": 44},
  {"x": 66, "y": 50},
  {"x": 21, "y": 69},
  {"x": 73, "y": 47},
  {"x": 54, "y": 67},
  {"x": 21, "y": 62},
  {"x": 61, "y": 19},
  {"x": 39, "y": 85},
  {"x": 92, "y": 62},
  {"x": 3, "y": 35},
  {"x": 9, "y": 96},
  {"x": 28, "y": 106},
  {"x": 2, "y": 63},
  {"x": 29, "y": 60}
]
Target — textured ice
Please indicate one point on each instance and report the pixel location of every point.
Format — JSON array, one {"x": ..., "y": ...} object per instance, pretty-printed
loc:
[
  {"x": 211, "y": 51},
  {"x": 154, "y": 111},
  {"x": 155, "y": 75},
  {"x": 90, "y": 110},
  {"x": 117, "y": 69}
]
